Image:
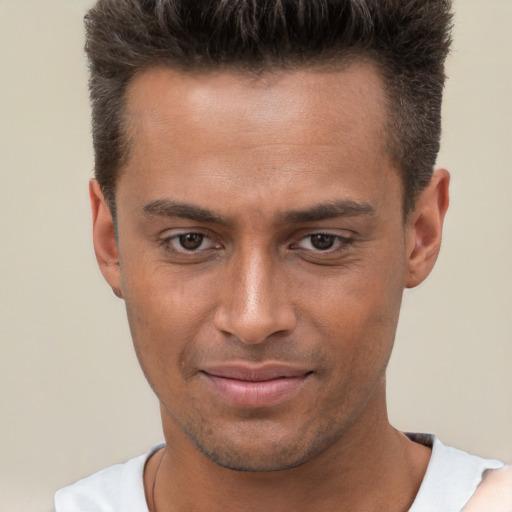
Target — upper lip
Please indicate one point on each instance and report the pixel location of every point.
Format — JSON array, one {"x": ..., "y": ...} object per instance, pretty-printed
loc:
[{"x": 255, "y": 373}]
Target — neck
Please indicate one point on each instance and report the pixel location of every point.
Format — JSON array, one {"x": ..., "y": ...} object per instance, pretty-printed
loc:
[{"x": 372, "y": 467}]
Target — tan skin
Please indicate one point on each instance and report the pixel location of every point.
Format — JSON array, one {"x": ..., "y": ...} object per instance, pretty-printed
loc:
[{"x": 299, "y": 261}]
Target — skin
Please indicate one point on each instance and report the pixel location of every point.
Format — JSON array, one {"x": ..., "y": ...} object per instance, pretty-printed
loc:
[{"x": 259, "y": 167}]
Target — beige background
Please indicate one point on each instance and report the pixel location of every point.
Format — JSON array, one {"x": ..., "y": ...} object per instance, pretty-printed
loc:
[{"x": 73, "y": 399}]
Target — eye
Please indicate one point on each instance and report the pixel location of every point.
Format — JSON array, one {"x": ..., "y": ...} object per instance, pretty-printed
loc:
[
  {"x": 190, "y": 243},
  {"x": 323, "y": 242}
]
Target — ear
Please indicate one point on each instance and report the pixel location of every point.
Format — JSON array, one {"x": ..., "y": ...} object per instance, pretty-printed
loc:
[
  {"x": 104, "y": 238},
  {"x": 425, "y": 227}
]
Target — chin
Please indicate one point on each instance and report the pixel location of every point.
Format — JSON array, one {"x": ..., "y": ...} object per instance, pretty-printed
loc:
[
  {"x": 262, "y": 448},
  {"x": 255, "y": 460}
]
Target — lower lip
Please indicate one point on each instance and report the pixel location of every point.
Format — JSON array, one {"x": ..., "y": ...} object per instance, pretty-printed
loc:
[{"x": 245, "y": 393}]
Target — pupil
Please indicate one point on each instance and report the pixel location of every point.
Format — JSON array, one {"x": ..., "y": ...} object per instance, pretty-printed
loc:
[
  {"x": 322, "y": 242},
  {"x": 191, "y": 241}
]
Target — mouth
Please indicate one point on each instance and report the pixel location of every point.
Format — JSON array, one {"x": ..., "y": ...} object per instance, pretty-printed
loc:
[{"x": 255, "y": 386}]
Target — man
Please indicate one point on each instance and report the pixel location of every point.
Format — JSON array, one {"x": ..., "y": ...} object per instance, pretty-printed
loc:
[{"x": 264, "y": 193}]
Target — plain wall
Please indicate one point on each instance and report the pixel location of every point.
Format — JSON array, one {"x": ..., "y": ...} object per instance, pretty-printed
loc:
[{"x": 73, "y": 398}]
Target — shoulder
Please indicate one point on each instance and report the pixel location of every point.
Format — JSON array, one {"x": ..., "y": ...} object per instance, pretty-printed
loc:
[
  {"x": 116, "y": 488},
  {"x": 494, "y": 494},
  {"x": 453, "y": 478}
]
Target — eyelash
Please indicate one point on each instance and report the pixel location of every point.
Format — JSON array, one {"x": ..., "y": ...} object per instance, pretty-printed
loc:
[
  {"x": 168, "y": 241},
  {"x": 343, "y": 242}
]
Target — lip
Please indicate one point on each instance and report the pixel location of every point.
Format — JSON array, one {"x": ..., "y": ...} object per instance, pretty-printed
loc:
[{"x": 255, "y": 386}]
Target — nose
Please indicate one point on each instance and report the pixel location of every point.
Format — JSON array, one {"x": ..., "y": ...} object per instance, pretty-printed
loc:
[{"x": 253, "y": 302}]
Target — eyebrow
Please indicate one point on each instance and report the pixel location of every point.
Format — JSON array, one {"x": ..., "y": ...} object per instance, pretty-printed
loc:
[
  {"x": 167, "y": 208},
  {"x": 345, "y": 208},
  {"x": 336, "y": 209}
]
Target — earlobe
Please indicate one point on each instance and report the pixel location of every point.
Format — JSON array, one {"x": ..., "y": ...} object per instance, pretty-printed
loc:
[
  {"x": 425, "y": 228},
  {"x": 104, "y": 238}
]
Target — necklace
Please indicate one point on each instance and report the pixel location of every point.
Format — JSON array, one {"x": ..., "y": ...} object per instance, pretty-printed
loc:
[{"x": 154, "y": 482}]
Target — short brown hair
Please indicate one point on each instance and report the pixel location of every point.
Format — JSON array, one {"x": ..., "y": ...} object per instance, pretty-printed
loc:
[{"x": 408, "y": 40}]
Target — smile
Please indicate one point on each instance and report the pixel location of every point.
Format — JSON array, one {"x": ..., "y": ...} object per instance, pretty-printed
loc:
[{"x": 255, "y": 387}]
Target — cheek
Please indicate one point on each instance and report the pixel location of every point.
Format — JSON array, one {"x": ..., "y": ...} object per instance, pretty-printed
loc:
[
  {"x": 166, "y": 313},
  {"x": 356, "y": 312},
  {"x": 357, "y": 333}
]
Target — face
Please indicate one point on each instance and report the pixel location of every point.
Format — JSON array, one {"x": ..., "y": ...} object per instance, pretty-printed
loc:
[{"x": 262, "y": 257}]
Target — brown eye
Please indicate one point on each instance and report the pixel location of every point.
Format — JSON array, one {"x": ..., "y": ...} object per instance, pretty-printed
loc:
[
  {"x": 190, "y": 244},
  {"x": 191, "y": 241},
  {"x": 322, "y": 242}
]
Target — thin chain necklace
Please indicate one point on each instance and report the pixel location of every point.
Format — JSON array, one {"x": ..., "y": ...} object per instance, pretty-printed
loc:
[{"x": 154, "y": 482}]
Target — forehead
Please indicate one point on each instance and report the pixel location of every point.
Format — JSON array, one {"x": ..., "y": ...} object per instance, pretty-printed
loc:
[
  {"x": 291, "y": 133},
  {"x": 276, "y": 107}
]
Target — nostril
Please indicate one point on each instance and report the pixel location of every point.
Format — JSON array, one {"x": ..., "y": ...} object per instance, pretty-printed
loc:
[{"x": 255, "y": 328}]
